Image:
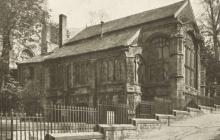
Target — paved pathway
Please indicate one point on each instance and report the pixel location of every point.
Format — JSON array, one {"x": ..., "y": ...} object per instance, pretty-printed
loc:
[{"x": 205, "y": 127}]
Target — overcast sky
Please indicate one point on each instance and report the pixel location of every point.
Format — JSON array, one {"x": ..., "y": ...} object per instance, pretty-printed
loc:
[{"x": 77, "y": 11}]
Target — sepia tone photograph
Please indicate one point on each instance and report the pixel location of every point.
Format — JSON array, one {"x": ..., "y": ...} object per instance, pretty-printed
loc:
[{"x": 109, "y": 69}]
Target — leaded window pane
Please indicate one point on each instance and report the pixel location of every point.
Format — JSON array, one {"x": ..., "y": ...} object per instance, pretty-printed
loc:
[
  {"x": 111, "y": 70},
  {"x": 189, "y": 58},
  {"x": 190, "y": 62},
  {"x": 117, "y": 70},
  {"x": 189, "y": 75},
  {"x": 105, "y": 71},
  {"x": 186, "y": 75},
  {"x": 74, "y": 74},
  {"x": 158, "y": 56},
  {"x": 160, "y": 53}
]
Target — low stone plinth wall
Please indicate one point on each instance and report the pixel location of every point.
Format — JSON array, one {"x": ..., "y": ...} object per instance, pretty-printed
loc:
[
  {"x": 75, "y": 136},
  {"x": 194, "y": 111},
  {"x": 117, "y": 131},
  {"x": 181, "y": 115},
  {"x": 206, "y": 109},
  {"x": 143, "y": 124},
  {"x": 217, "y": 107},
  {"x": 165, "y": 118}
]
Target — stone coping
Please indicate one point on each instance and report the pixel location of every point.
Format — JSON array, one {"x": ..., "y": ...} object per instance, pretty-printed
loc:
[
  {"x": 73, "y": 136},
  {"x": 206, "y": 107},
  {"x": 144, "y": 121},
  {"x": 165, "y": 116},
  {"x": 216, "y": 106},
  {"x": 181, "y": 112},
  {"x": 116, "y": 127},
  {"x": 193, "y": 109}
]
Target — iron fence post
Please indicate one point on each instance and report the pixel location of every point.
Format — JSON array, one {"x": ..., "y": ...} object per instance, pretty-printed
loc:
[
  {"x": 11, "y": 124},
  {"x": 168, "y": 120}
]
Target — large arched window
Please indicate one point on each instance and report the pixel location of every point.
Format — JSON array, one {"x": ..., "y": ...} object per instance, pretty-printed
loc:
[
  {"x": 190, "y": 62},
  {"x": 158, "y": 55},
  {"x": 25, "y": 54}
]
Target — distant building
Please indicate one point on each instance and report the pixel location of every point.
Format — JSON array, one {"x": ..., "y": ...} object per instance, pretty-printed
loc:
[{"x": 151, "y": 55}]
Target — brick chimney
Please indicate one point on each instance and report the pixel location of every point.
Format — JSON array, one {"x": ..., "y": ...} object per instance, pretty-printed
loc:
[
  {"x": 45, "y": 32},
  {"x": 62, "y": 29},
  {"x": 102, "y": 23},
  {"x": 45, "y": 37}
]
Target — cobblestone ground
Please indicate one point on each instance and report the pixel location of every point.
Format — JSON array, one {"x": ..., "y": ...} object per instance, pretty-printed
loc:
[{"x": 205, "y": 127}]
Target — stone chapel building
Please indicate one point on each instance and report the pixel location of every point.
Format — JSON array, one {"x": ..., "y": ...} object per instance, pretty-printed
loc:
[{"x": 151, "y": 55}]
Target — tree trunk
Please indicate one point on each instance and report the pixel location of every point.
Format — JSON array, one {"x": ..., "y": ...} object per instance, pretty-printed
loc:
[
  {"x": 4, "y": 60},
  {"x": 216, "y": 47}
]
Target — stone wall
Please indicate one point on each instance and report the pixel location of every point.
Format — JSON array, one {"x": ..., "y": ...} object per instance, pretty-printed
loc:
[
  {"x": 173, "y": 85},
  {"x": 164, "y": 87},
  {"x": 120, "y": 75},
  {"x": 88, "y": 76},
  {"x": 117, "y": 132}
]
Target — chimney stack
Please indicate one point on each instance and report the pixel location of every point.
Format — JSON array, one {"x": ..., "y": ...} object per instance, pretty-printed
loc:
[
  {"x": 45, "y": 37},
  {"x": 102, "y": 23},
  {"x": 62, "y": 29}
]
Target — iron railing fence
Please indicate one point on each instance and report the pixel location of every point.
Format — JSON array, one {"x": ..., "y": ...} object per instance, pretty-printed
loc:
[
  {"x": 109, "y": 113},
  {"x": 148, "y": 109},
  {"x": 217, "y": 100},
  {"x": 18, "y": 126},
  {"x": 206, "y": 101},
  {"x": 60, "y": 119}
]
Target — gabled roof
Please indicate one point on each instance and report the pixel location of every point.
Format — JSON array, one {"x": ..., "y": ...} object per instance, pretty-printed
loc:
[
  {"x": 120, "y": 39},
  {"x": 89, "y": 39},
  {"x": 133, "y": 20}
]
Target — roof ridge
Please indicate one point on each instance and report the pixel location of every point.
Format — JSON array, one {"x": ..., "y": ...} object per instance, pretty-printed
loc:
[
  {"x": 138, "y": 13},
  {"x": 111, "y": 25}
]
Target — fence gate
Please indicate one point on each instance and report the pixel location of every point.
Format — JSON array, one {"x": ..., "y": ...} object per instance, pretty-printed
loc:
[
  {"x": 147, "y": 109},
  {"x": 113, "y": 114}
]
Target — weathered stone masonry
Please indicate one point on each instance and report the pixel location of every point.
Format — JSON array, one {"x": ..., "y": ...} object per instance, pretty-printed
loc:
[{"x": 140, "y": 56}]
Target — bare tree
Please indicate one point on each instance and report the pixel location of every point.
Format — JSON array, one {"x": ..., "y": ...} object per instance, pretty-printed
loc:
[
  {"x": 95, "y": 17},
  {"x": 210, "y": 24},
  {"x": 18, "y": 19}
]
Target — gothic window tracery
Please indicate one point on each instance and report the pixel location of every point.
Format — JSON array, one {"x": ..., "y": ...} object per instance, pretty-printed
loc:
[
  {"x": 190, "y": 62},
  {"x": 158, "y": 59},
  {"x": 25, "y": 54}
]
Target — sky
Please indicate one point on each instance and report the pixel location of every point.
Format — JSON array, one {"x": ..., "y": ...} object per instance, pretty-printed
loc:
[{"x": 77, "y": 11}]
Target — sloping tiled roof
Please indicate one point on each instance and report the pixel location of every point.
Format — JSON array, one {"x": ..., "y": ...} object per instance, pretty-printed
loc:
[
  {"x": 35, "y": 59},
  {"x": 122, "y": 38},
  {"x": 129, "y": 21},
  {"x": 112, "y": 39},
  {"x": 40, "y": 58}
]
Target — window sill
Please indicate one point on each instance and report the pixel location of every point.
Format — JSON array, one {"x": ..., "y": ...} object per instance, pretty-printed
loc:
[
  {"x": 157, "y": 84},
  {"x": 80, "y": 86},
  {"x": 112, "y": 83},
  {"x": 191, "y": 88}
]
